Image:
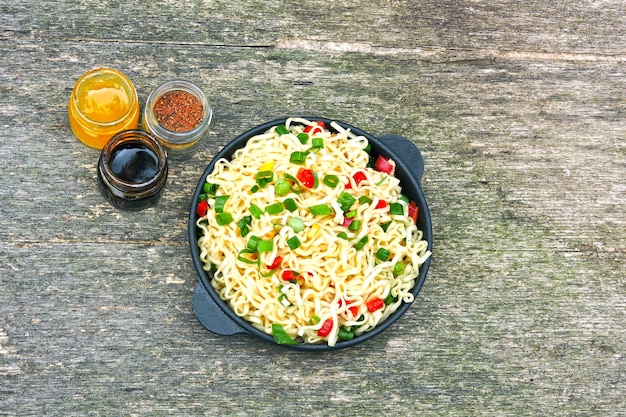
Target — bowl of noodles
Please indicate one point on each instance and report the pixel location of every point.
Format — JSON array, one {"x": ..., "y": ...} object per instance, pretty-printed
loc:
[{"x": 309, "y": 233}]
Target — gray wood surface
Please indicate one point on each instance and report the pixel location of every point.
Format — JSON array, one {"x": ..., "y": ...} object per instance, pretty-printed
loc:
[{"x": 519, "y": 109}]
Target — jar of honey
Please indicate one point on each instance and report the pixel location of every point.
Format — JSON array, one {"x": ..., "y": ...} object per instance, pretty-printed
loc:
[
  {"x": 132, "y": 170},
  {"x": 103, "y": 103},
  {"x": 177, "y": 113}
]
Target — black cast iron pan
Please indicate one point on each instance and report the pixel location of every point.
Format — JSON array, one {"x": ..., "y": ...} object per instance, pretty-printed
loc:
[{"x": 214, "y": 314}]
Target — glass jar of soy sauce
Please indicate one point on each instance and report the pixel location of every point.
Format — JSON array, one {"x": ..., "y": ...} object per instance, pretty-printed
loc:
[{"x": 132, "y": 170}]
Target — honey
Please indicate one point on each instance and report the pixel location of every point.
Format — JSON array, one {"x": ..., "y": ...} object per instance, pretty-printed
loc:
[{"x": 103, "y": 103}]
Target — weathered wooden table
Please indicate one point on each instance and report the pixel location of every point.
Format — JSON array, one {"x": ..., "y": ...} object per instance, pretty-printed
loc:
[{"x": 519, "y": 110}]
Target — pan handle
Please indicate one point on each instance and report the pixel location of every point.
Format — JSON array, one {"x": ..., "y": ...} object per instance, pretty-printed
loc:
[
  {"x": 210, "y": 315},
  {"x": 408, "y": 152}
]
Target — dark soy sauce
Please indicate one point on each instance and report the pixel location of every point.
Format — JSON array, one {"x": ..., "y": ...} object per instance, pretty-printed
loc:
[{"x": 134, "y": 163}]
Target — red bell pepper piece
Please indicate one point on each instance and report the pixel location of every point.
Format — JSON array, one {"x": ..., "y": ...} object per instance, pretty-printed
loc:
[
  {"x": 381, "y": 204},
  {"x": 375, "y": 304},
  {"x": 289, "y": 275},
  {"x": 306, "y": 177},
  {"x": 202, "y": 208},
  {"x": 413, "y": 211},
  {"x": 326, "y": 328},
  {"x": 276, "y": 263},
  {"x": 382, "y": 164},
  {"x": 358, "y": 177},
  {"x": 319, "y": 125}
]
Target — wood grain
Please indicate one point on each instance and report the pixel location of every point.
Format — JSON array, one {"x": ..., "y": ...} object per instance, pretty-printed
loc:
[{"x": 518, "y": 110}]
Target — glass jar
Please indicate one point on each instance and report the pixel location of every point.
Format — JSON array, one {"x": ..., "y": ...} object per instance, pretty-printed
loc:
[
  {"x": 177, "y": 113},
  {"x": 103, "y": 103},
  {"x": 132, "y": 170}
]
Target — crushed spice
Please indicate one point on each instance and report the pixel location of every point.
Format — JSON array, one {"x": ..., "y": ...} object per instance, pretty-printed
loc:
[{"x": 179, "y": 111}]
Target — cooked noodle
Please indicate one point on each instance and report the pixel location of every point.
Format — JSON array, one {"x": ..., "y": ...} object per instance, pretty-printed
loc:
[{"x": 331, "y": 277}]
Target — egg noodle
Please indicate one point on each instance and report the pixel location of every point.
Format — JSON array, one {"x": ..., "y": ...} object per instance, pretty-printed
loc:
[{"x": 330, "y": 267}]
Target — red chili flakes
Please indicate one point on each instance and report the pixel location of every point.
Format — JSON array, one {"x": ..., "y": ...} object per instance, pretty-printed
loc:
[{"x": 178, "y": 111}]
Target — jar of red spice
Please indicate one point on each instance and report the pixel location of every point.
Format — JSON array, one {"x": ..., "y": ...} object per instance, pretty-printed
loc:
[{"x": 177, "y": 113}]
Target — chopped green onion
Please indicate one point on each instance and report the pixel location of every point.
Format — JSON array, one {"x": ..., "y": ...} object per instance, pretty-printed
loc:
[
  {"x": 254, "y": 189},
  {"x": 255, "y": 211},
  {"x": 293, "y": 183},
  {"x": 368, "y": 148},
  {"x": 253, "y": 243},
  {"x": 243, "y": 227},
  {"x": 290, "y": 204},
  {"x": 265, "y": 245},
  {"x": 244, "y": 259},
  {"x": 345, "y": 333},
  {"x": 264, "y": 177},
  {"x": 351, "y": 214},
  {"x": 303, "y": 138},
  {"x": 296, "y": 223},
  {"x": 385, "y": 226},
  {"x": 361, "y": 243},
  {"x": 390, "y": 299},
  {"x": 398, "y": 269},
  {"x": 383, "y": 254},
  {"x": 381, "y": 181},
  {"x": 282, "y": 187},
  {"x": 364, "y": 200},
  {"x": 320, "y": 210},
  {"x": 220, "y": 201},
  {"x": 317, "y": 143},
  {"x": 297, "y": 157},
  {"x": 342, "y": 235},
  {"x": 275, "y": 208},
  {"x": 404, "y": 198},
  {"x": 355, "y": 225},
  {"x": 280, "y": 335},
  {"x": 316, "y": 180},
  {"x": 314, "y": 320},
  {"x": 209, "y": 188},
  {"x": 345, "y": 201},
  {"x": 224, "y": 218},
  {"x": 396, "y": 209},
  {"x": 293, "y": 243},
  {"x": 281, "y": 130},
  {"x": 203, "y": 197},
  {"x": 331, "y": 180}
]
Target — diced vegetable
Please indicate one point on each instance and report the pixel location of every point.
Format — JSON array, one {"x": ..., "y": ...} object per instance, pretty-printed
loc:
[
  {"x": 276, "y": 263},
  {"x": 345, "y": 201},
  {"x": 324, "y": 331},
  {"x": 253, "y": 243},
  {"x": 275, "y": 208},
  {"x": 345, "y": 333},
  {"x": 280, "y": 335},
  {"x": 413, "y": 211},
  {"x": 361, "y": 243},
  {"x": 281, "y": 130},
  {"x": 314, "y": 320},
  {"x": 381, "y": 204},
  {"x": 320, "y": 210},
  {"x": 396, "y": 209},
  {"x": 220, "y": 202},
  {"x": 264, "y": 177},
  {"x": 224, "y": 218},
  {"x": 255, "y": 211},
  {"x": 296, "y": 223},
  {"x": 303, "y": 138},
  {"x": 331, "y": 180},
  {"x": 209, "y": 188},
  {"x": 398, "y": 269},
  {"x": 202, "y": 208},
  {"x": 290, "y": 204},
  {"x": 317, "y": 143},
  {"x": 298, "y": 157},
  {"x": 382, "y": 164},
  {"x": 282, "y": 187},
  {"x": 289, "y": 275},
  {"x": 342, "y": 235},
  {"x": 243, "y": 227},
  {"x": 383, "y": 254},
  {"x": 358, "y": 177},
  {"x": 375, "y": 304},
  {"x": 306, "y": 177},
  {"x": 293, "y": 243},
  {"x": 265, "y": 245},
  {"x": 355, "y": 225}
]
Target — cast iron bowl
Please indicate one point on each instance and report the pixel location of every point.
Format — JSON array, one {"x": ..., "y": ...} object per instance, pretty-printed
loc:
[{"x": 215, "y": 314}]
